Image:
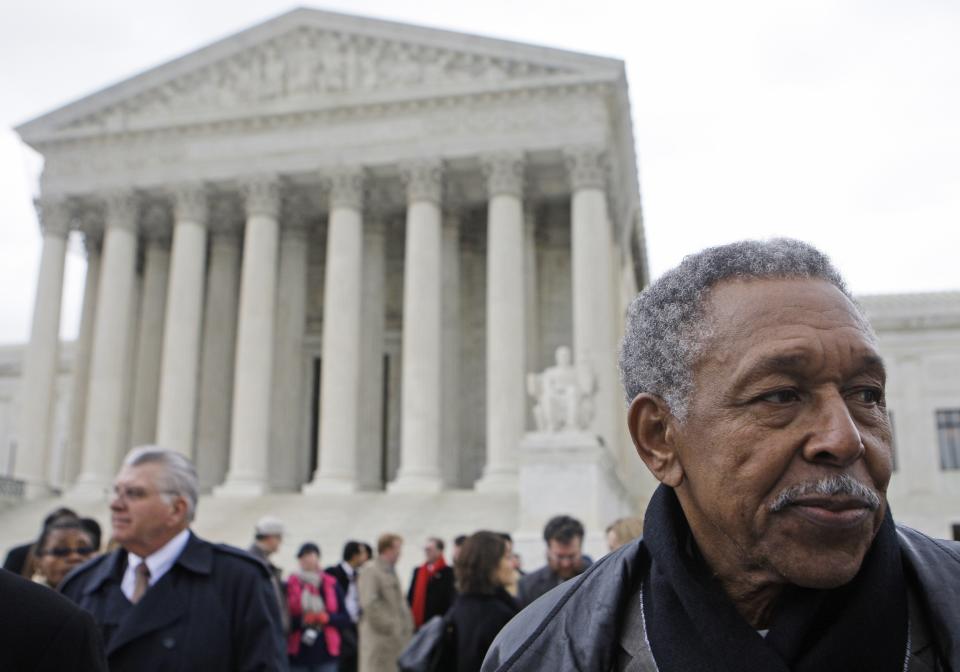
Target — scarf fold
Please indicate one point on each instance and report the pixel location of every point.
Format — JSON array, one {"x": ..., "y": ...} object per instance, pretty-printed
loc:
[
  {"x": 694, "y": 627},
  {"x": 424, "y": 574}
]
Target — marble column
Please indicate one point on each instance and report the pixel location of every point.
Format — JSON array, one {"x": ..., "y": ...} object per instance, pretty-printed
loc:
[
  {"x": 342, "y": 341},
  {"x": 594, "y": 317},
  {"x": 156, "y": 270},
  {"x": 177, "y": 406},
  {"x": 219, "y": 345},
  {"x": 38, "y": 393},
  {"x": 371, "y": 454},
  {"x": 422, "y": 342},
  {"x": 506, "y": 342},
  {"x": 531, "y": 300},
  {"x": 450, "y": 419},
  {"x": 130, "y": 364},
  {"x": 286, "y": 418},
  {"x": 92, "y": 242},
  {"x": 105, "y": 428},
  {"x": 250, "y": 421}
]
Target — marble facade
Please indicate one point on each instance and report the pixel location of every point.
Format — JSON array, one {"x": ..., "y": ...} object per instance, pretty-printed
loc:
[{"x": 323, "y": 255}]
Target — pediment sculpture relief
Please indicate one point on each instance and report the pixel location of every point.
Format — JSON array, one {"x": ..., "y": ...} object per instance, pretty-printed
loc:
[{"x": 310, "y": 63}]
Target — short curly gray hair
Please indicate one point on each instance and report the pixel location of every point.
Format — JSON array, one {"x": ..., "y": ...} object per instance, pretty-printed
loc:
[{"x": 666, "y": 331}]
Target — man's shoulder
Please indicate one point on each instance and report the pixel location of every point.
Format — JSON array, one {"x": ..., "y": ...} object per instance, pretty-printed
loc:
[
  {"x": 90, "y": 574},
  {"x": 544, "y": 574},
  {"x": 933, "y": 562},
  {"x": 527, "y": 642},
  {"x": 237, "y": 560},
  {"x": 41, "y": 629},
  {"x": 21, "y": 595}
]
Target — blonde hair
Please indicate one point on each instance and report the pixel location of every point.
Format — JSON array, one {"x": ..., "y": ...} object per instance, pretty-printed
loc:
[
  {"x": 626, "y": 529},
  {"x": 387, "y": 541}
]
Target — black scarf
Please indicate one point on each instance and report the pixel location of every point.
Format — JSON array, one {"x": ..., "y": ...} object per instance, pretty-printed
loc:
[{"x": 693, "y": 626}]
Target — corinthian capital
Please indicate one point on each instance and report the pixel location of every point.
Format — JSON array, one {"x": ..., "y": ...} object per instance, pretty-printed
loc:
[
  {"x": 55, "y": 215},
  {"x": 190, "y": 203},
  {"x": 424, "y": 180},
  {"x": 504, "y": 173},
  {"x": 587, "y": 167},
  {"x": 123, "y": 210},
  {"x": 262, "y": 196},
  {"x": 346, "y": 187}
]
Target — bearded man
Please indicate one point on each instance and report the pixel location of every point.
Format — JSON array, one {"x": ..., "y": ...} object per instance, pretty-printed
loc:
[{"x": 756, "y": 397}]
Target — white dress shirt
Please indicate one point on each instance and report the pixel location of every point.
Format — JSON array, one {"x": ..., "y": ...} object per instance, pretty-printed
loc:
[
  {"x": 352, "y": 598},
  {"x": 159, "y": 563}
]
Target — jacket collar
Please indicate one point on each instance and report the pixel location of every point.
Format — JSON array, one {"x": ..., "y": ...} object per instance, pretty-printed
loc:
[
  {"x": 935, "y": 565},
  {"x": 197, "y": 557},
  {"x": 605, "y": 588}
]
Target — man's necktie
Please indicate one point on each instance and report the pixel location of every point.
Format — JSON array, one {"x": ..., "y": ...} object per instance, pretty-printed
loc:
[{"x": 142, "y": 582}]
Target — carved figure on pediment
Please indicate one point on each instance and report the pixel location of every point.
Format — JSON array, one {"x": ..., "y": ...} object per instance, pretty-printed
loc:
[
  {"x": 274, "y": 74},
  {"x": 300, "y": 64},
  {"x": 564, "y": 395},
  {"x": 333, "y": 76}
]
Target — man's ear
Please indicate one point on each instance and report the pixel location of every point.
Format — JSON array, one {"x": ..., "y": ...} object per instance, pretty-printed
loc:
[
  {"x": 652, "y": 428},
  {"x": 179, "y": 507}
]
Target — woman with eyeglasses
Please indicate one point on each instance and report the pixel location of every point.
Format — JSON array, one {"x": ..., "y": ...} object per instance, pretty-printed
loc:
[{"x": 61, "y": 547}]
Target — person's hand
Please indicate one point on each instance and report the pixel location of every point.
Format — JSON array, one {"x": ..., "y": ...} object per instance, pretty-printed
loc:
[{"x": 321, "y": 618}]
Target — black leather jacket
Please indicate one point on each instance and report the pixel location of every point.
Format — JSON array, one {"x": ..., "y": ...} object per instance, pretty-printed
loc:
[{"x": 576, "y": 627}]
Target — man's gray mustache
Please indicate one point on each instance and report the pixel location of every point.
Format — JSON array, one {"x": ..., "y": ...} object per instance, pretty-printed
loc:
[{"x": 838, "y": 484}]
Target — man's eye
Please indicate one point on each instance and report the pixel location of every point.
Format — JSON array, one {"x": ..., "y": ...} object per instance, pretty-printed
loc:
[
  {"x": 780, "y": 396},
  {"x": 868, "y": 395}
]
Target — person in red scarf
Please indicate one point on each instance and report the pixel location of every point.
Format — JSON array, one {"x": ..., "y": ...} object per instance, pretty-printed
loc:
[{"x": 432, "y": 588}]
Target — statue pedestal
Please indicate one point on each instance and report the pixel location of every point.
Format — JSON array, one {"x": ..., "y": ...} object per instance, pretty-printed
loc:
[{"x": 566, "y": 473}]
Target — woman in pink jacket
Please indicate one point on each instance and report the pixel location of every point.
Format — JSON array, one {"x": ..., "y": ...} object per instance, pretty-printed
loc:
[{"x": 317, "y": 613}]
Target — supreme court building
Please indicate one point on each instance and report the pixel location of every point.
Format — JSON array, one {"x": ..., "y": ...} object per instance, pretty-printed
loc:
[{"x": 323, "y": 256}]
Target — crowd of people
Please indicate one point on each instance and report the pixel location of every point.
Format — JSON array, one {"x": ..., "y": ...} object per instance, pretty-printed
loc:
[
  {"x": 224, "y": 608},
  {"x": 756, "y": 397}
]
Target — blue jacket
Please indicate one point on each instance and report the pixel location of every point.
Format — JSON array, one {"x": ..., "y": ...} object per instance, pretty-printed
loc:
[{"x": 215, "y": 609}]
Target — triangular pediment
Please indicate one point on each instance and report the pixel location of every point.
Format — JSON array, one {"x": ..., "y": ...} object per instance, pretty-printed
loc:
[{"x": 311, "y": 59}]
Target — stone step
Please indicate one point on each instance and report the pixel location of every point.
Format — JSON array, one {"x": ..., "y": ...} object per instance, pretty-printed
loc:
[{"x": 328, "y": 520}]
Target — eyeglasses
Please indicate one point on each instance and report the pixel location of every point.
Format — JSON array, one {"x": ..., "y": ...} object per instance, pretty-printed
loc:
[
  {"x": 64, "y": 552},
  {"x": 133, "y": 494}
]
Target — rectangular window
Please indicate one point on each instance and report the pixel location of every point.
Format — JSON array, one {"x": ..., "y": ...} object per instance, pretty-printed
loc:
[{"x": 948, "y": 437}]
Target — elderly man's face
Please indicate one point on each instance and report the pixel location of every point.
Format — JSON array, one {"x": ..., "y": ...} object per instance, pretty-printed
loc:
[
  {"x": 144, "y": 517},
  {"x": 789, "y": 391}
]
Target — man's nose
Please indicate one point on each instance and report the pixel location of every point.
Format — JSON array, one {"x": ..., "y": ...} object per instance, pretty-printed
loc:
[{"x": 835, "y": 437}]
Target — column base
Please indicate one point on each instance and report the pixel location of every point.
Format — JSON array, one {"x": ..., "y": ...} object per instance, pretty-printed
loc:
[
  {"x": 324, "y": 484},
  {"x": 241, "y": 487},
  {"x": 498, "y": 481},
  {"x": 416, "y": 484}
]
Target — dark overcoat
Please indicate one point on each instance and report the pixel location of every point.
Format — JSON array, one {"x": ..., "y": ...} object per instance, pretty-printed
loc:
[
  {"x": 41, "y": 631},
  {"x": 441, "y": 592},
  {"x": 215, "y": 609}
]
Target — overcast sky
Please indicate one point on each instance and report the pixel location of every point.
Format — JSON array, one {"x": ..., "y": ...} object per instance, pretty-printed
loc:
[{"x": 836, "y": 122}]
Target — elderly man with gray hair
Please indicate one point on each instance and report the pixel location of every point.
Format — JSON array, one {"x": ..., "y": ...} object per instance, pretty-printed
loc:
[
  {"x": 756, "y": 398},
  {"x": 166, "y": 599}
]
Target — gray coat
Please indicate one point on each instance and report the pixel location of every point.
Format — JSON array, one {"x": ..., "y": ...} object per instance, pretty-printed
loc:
[{"x": 579, "y": 625}]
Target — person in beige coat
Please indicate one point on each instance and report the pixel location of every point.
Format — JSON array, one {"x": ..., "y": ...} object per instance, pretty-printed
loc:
[{"x": 386, "y": 624}]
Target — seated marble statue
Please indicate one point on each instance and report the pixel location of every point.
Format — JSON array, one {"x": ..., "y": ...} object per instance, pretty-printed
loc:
[{"x": 564, "y": 395}]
